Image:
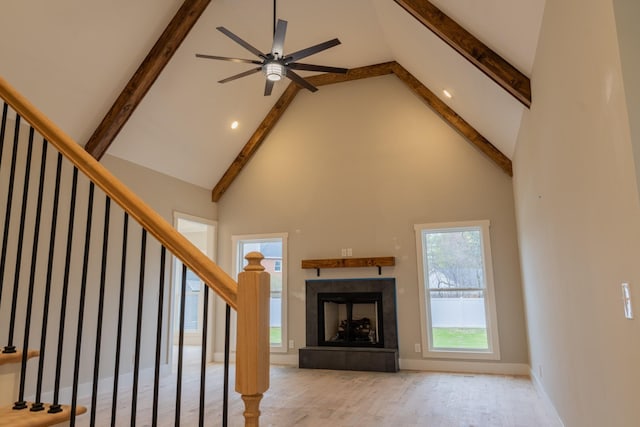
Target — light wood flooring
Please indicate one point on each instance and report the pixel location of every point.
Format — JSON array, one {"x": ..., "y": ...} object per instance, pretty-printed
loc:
[{"x": 301, "y": 397}]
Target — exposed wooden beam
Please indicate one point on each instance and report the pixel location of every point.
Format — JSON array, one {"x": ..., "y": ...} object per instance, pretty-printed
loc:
[
  {"x": 254, "y": 142},
  {"x": 355, "y": 74},
  {"x": 276, "y": 112},
  {"x": 454, "y": 119},
  {"x": 489, "y": 62},
  {"x": 145, "y": 76}
]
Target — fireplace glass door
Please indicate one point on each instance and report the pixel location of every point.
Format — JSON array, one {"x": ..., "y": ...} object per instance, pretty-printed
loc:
[{"x": 350, "y": 319}]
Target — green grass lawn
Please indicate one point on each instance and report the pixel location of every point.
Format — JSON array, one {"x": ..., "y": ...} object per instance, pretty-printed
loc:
[
  {"x": 275, "y": 335},
  {"x": 470, "y": 338}
]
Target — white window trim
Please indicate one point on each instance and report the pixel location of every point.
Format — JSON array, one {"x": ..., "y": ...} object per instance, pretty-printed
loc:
[
  {"x": 235, "y": 239},
  {"x": 493, "y": 353}
]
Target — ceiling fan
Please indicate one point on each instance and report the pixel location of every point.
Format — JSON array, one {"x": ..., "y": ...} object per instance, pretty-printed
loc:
[{"x": 275, "y": 64}]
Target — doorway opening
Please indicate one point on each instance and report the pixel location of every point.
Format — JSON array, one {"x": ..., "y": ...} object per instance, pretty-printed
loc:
[{"x": 201, "y": 233}]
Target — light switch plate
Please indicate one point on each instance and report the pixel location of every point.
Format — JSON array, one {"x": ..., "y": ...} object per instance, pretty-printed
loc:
[{"x": 626, "y": 300}]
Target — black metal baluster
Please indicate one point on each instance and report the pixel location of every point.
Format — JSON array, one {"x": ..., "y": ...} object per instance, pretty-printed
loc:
[
  {"x": 3, "y": 126},
  {"x": 55, "y": 407},
  {"x": 225, "y": 393},
  {"x": 203, "y": 354},
  {"x": 7, "y": 218},
  {"x": 103, "y": 273},
  {"x": 136, "y": 367},
  {"x": 10, "y": 348},
  {"x": 156, "y": 384},
  {"x": 38, "y": 406},
  {"x": 21, "y": 404},
  {"x": 181, "y": 344},
  {"x": 123, "y": 269},
  {"x": 83, "y": 294}
]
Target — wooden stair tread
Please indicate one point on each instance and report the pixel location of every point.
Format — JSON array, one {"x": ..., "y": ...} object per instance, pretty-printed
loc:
[
  {"x": 6, "y": 358},
  {"x": 27, "y": 418}
]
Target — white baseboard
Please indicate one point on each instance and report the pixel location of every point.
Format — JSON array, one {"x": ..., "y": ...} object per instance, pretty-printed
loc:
[
  {"x": 276, "y": 358},
  {"x": 465, "y": 366},
  {"x": 548, "y": 404},
  {"x": 417, "y": 365}
]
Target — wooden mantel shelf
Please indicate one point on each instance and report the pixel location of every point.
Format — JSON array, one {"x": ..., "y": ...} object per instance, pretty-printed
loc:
[{"x": 379, "y": 262}]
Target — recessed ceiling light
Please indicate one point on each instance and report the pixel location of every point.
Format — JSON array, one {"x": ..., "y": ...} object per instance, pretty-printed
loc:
[
  {"x": 447, "y": 93},
  {"x": 234, "y": 124}
]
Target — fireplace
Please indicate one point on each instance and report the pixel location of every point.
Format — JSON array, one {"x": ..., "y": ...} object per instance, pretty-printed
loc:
[
  {"x": 350, "y": 319},
  {"x": 351, "y": 325}
]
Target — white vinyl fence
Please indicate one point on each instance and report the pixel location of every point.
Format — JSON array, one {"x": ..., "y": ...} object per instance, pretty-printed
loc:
[{"x": 458, "y": 313}]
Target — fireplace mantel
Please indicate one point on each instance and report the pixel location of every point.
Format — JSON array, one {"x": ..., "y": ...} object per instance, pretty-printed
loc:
[{"x": 386, "y": 261}]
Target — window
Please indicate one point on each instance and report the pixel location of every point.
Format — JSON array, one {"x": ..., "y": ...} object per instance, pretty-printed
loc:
[
  {"x": 274, "y": 249},
  {"x": 456, "y": 290}
]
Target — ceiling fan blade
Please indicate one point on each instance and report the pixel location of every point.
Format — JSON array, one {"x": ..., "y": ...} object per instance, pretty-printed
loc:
[
  {"x": 224, "y": 58},
  {"x": 268, "y": 87},
  {"x": 321, "y": 68},
  {"x": 300, "y": 81},
  {"x": 243, "y": 74},
  {"x": 241, "y": 42},
  {"x": 311, "y": 50},
  {"x": 277, "y": 50}
]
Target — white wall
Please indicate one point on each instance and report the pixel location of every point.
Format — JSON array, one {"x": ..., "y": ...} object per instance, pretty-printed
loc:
[
  {"x": 627, "y": 14},
  {"x": 356, "y": 165},
  {"x": 163, "y": 193},
  {"x": 579, "y": 219}
]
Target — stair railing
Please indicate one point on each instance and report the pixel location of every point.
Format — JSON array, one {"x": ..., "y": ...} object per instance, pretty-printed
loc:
[{"x": 249, "y": 297}]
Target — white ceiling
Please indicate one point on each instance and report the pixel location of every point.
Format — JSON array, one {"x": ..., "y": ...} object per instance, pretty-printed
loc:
[{"x": 72, "y": 58}]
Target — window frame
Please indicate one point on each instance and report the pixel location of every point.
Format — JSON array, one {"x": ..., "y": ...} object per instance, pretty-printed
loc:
[
  {"x": 236, "y": 266},
  {"x": 428, "y": 351}
]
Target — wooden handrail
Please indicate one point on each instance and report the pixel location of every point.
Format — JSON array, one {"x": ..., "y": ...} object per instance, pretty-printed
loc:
[{"x": 168, "y": 236}]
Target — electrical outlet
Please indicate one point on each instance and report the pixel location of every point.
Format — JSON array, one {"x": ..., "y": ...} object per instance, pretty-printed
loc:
[
  {"x": 343, "y": 251},
  {"x": 416, "y": 347},
  {"x": 291, "y": 344},
  {"x": 349, "y": 252}
]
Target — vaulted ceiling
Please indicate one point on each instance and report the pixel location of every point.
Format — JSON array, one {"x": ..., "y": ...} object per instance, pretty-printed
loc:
[{"x": 72, "y": 58}]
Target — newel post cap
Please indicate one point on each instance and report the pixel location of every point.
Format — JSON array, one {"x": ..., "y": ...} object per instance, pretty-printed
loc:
[{"x": 254, "y": 259}]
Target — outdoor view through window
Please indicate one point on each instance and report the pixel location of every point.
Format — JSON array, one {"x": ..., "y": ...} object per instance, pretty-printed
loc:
[
  {"x": 271, "y": 249},
  {"x": 456, "y": 288}
]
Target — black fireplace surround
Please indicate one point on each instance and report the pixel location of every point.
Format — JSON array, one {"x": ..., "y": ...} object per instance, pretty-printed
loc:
[{"x": 351, "y": 325}]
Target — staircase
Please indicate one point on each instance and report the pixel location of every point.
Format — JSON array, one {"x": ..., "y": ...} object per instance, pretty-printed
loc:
[{"x": 84, "y": 288}]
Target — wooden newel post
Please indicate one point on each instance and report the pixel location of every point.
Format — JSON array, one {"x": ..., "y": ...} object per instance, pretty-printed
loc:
[{"x": 252, "y": 348}]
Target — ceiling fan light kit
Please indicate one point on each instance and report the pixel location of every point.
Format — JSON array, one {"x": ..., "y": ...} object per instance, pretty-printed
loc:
[
  {"x": 275, "y": 65},
  {"x": 274, "y": 71}
]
